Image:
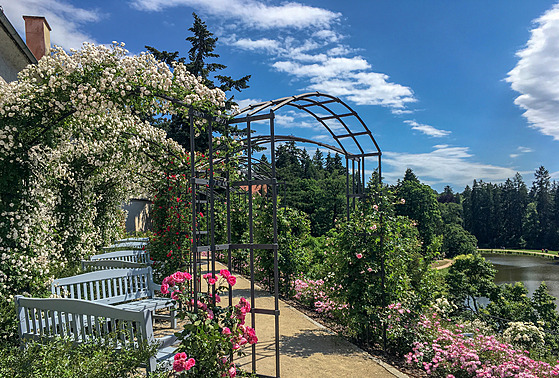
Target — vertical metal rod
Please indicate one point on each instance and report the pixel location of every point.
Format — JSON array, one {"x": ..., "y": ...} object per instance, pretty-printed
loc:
[
  {"x": 353, "y": 182},
  {"x": 228, "y": 205},
  {"x": 347, "y": 186},
  {"x": 211, "y": 198},
  {"x": 251, "y": 239},
  {"x": 382, "y": 262},
  {"x": 363, "y": 175},
  {"x": 193, "y": 199},
  {"x": 275, "y": 226}
]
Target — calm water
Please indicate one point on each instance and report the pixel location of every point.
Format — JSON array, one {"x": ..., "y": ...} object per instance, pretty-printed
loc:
[{"x": 527, "y": 269}]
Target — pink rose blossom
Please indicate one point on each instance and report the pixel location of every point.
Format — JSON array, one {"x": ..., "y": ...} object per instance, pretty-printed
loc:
[
  {"x": 232, "y": 280},
  {"x": 224, "y": 273},
  {"x": 164, "y": 288},
  {"x": 359, "y": 255}
]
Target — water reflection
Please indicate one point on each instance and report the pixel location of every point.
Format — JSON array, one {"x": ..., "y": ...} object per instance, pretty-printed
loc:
[{"x": 529, "y": 270}]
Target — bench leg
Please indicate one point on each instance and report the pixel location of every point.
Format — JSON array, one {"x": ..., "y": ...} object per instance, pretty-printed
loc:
[
  {"x": 151, "y": 365},
  {"x": 172, "y": 318}
]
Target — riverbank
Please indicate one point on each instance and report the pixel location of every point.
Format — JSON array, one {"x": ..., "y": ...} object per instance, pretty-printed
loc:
[{"x": 549, "y": 255}]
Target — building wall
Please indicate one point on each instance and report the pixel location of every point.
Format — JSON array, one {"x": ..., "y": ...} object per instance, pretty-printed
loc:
[
  {"x": 14, "y": 54},
  {"x": 138, "y": 219}
]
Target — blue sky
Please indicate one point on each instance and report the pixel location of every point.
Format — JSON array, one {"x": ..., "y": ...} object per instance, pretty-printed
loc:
[{"x": 455, "y": 90}]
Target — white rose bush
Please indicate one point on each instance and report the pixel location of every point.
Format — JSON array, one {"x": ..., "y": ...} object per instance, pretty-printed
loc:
[{"x": 75, "y": 143}]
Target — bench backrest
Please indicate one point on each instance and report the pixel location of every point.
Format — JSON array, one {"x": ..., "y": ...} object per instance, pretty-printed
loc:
[
  {"x": 110, "y": 264},
  {"x": 136, "y": 256},
  {"x": 146, "y": 239},
  {"x": 81, "y": 321},
  {"x": 107, "y": 286},
  {"x": 128, "y": 244}
]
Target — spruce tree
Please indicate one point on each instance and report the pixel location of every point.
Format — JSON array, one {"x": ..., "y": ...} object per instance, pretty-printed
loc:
[{"x": 203, "y": 45}]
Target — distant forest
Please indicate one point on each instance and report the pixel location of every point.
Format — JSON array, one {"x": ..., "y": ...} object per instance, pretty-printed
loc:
[{"x": 510, "y": 215}]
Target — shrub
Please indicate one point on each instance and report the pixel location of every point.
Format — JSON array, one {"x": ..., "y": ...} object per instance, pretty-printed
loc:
[{"x": 63, "y": 358}]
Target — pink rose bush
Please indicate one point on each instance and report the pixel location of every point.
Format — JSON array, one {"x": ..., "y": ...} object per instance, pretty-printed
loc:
[
  {"x": 212, "y": 333},
  {"x": 317, "y": 294},
  {"x": 448, "y": 352}
]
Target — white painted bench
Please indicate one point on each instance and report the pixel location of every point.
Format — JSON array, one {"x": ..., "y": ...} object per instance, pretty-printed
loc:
[
  {"x": 83, "y": 321},
  {"x": 118, "y": 259},
  {"x": 129, "y": 289}
]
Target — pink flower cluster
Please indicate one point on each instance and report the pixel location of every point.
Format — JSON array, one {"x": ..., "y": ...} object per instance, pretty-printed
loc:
[
  {"x": 173, "y": 280},
  {"x": 451, "y": 353},
  {"x": 241, "y": 310},
  {"x": 224, "y": 273},
  {"x": 181, "y": 363},
  {"x": 247, "y": 335},
  {"x": 317, "y": 294}
]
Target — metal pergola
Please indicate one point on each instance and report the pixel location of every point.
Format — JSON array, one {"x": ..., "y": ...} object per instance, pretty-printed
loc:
[{"x": 352, "y": 139}]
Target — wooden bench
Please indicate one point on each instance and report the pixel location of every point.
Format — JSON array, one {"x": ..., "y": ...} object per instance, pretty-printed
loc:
[
  {"x": 84, "y": 321},
  {"x": 129, "y": 289},
  {"x": 118, "y": 259}
]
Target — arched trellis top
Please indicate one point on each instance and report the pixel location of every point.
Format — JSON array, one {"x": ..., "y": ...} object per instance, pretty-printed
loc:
[{"x": 345, "y": 126}]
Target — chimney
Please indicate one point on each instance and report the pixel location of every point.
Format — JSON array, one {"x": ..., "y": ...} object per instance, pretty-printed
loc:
[{"x": 37, "y": 35}]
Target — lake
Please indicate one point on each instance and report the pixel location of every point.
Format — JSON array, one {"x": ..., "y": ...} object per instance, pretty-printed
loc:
[{"x": 529, "y": 270}]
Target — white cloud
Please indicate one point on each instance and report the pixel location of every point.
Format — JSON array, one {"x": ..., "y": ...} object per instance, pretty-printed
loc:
[
  {"x": 247, "y": 101},
  {"x": 328, "y": 35},
  {"x": 66, "y": 20},
  {"x": 266, "y": 44},
  {"x": 315, "y": 56},
  {"x": 521, "y": 150},
  {"x": 350, "y": 78},
  {"x": 427, "y": 129},
  {"x": 525, "y": 150},
  {"x": 536, "y": 76},
  {"x": 253, "y": 13},
  {"x": 332, "y": 67},
  {"x": 365, "y": 88},
  {"x": 444, "y": 165}
]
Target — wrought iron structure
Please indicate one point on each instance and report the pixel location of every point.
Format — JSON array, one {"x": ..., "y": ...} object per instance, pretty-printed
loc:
[{"x": 352, "y": 139}]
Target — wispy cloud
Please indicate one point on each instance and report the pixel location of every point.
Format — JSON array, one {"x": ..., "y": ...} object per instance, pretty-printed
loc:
[
  {"x": 521, "y": 150},
  {"x": 66, "y": 20},
  {"x": 256, "y": 14},
  {"x": 247, "y": 101},
  {"x": 536, "y": 77},
  {"x": 317, "y": 59},
  {"x": 444, "y": 165},
  {"x": 266, "y": 44},
  {"x": 427, "y": 129}
]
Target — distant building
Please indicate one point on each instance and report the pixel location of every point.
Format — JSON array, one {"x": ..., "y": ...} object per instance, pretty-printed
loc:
[{"x": 15, "y": 54}]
